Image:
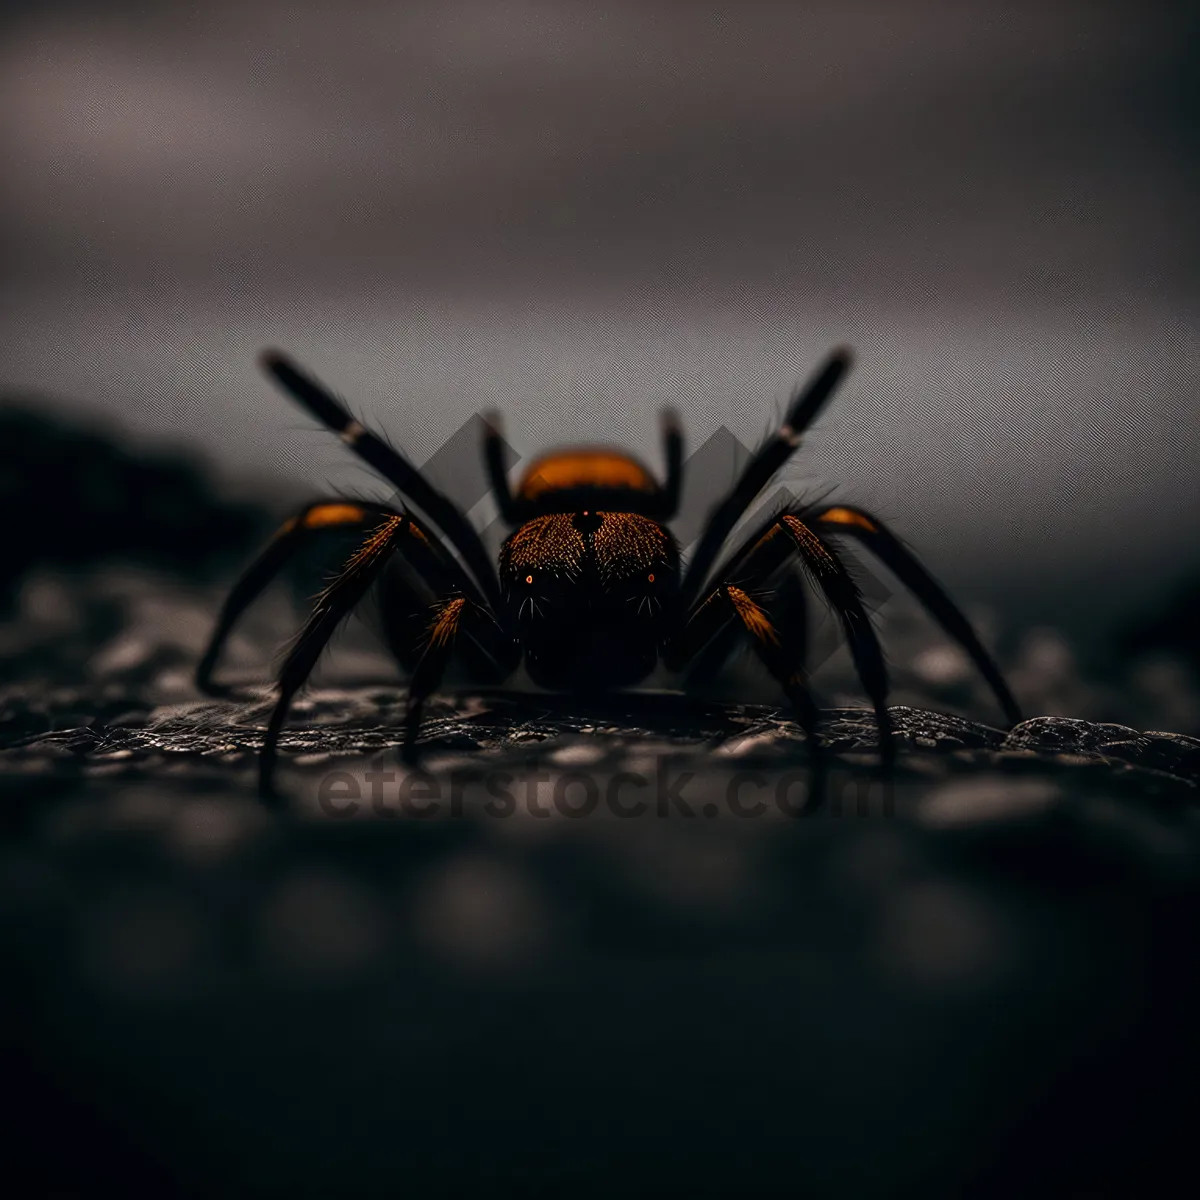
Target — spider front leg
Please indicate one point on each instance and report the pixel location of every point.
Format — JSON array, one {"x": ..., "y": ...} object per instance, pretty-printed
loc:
[
  {"x": 456, "y": 626},
  {"x": 334, "y": 603},
  {"x": 441, "y": 512},
  {"x": 428, "y": 580},
  {"x": 311, "y": 522},
  {"x": 889, "y": 550},
  {"x": 779, "y": 640},
  {"x": 785, "y": 539}
]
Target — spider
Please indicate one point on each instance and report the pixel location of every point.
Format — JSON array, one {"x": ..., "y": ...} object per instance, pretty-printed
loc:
[{"x": 589, "y": 589}]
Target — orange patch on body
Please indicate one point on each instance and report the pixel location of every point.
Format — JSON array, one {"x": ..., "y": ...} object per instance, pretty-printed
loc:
[
  {"x": 847, "y": 516},
  {"x": 333, "y": 514},
  {"x": 585, "y": 468}
]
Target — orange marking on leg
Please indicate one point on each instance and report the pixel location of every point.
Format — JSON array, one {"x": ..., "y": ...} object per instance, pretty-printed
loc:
[
  {"x": 752, "y": 616},
  {"x": 371, "y": 546},
  {"x": 445, "y": 624},
  {"x": 809, "y": 542},
  {"x": 333, "y": 514},
  {"x": 847, "y": 516}
]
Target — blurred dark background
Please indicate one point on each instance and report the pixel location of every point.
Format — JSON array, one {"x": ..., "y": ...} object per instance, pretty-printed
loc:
[{"x": 576, "y": 213}]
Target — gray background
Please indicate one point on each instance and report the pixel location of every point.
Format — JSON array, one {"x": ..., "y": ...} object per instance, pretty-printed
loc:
[{"x": 575, "y": 212}]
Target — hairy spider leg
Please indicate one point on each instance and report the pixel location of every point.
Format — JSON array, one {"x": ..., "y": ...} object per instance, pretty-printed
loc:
[
  {"x": 776, "y": 628},
  {"x": 421, "y": 576},
  {"x": 786, "y": 536},
  {"x": 310, "y": 522},
  {"x": 332, "y": 606},
  {"x": 845, "y": 519},
  {"x": 453, "y": 621},
  {"x": 428, "y": 579},
  {"x": 411, "y": 484},
  {"x": 430, "y": 618},
  {"x": 801, "y": 413}
]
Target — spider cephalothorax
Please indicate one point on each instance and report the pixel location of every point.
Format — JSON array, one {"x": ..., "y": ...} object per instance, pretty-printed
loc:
[{"x": 589, "y": 590}]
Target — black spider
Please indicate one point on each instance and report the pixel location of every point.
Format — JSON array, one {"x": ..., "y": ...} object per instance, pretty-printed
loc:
[{"x": 589, "y": 588}]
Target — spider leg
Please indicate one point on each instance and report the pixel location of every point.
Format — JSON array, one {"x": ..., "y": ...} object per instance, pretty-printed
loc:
[
  {"x": 454, "y": 621},
  {"x": 786, "y": 537},
  {"x": 780, "y": 643},
  {"x": 394, "y": 467},
  {"x": 803, "y": 410},
  {"x": 840, "y": 590},
  {"x": 310, "y": 522},
  {"x": 672, "y": 435},
  {"x": 332, "y": 606},
  {"x": 890, "y": 551}
]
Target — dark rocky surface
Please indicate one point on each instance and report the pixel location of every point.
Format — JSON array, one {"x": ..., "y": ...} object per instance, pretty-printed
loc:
[
  {"x": 979, "y": 982},
  {"x": 983, "y": 981}
]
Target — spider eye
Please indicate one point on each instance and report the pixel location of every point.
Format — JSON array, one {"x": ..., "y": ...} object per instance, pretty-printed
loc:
[
  {"x": 650, "y": 577},
  {"x": 528, "y": 578}
]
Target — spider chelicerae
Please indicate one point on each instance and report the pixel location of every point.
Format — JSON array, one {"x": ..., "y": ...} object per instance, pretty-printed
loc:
[{"x": 589, "y": 589}]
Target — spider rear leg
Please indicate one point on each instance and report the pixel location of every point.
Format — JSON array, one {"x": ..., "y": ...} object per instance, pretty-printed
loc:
[
  {"x": 310, "y": 522},
  {"x": 890, "y": 550}
]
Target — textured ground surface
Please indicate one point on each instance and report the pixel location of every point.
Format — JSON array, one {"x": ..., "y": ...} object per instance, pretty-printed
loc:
[{"x": 985, "y": 979}]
